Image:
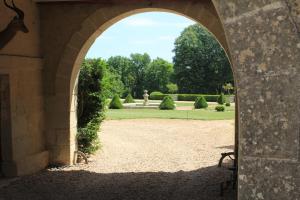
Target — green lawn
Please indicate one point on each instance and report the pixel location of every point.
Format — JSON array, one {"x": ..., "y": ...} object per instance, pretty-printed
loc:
[{"x": 203, "y": 114}]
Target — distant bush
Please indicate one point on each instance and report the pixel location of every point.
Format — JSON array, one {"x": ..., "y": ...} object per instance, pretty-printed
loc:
[
  {"x": 157, "y": 96},
  {"x": 116, "y": 103},
  {"x": 167, "y": 104},
  {"x": 172, "y": 88},
  {"x": 227, "y": 104},
  {"x": 129, "y": 99},
  {"x": 220, "y": 108},
  {"x": 221, "y": 99},
  {"x": 200, "y": 102}
]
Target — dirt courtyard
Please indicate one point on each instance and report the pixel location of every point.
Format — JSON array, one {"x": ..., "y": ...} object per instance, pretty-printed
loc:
[{"x": 147, "y": 159}]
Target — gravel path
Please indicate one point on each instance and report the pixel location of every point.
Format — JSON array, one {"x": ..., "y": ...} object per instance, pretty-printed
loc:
[{"x": 148, "y": 159}]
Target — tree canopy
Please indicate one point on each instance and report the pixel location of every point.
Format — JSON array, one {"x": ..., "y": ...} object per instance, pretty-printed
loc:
[
  {"x": 158, "y": 75},
  {"x": 200, "y": 63}
]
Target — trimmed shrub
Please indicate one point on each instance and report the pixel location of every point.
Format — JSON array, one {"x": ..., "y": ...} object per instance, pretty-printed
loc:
[
  {"x": 220, "y": 108},
  {"x": 116, "y": 103},
  {"x": 157, "y": 96},
  {"x": 227, "y": 104},
  {"x": 221, "y": 99},
  {"x": 129, "y": 99},
  {"x": 167, "y": 104},
  {"x": 200, "y": 103}
]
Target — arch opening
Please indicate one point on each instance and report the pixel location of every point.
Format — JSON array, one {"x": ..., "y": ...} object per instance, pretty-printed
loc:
[
  {"x": 78, "y": 45},
  {"x": 78, "y": 62}
]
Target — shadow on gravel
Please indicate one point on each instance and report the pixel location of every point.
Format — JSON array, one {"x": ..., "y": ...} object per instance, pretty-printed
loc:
[{"x": 201, "y": 184}]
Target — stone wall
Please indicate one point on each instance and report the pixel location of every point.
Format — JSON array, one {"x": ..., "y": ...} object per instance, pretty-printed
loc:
[
  {"x": 264, "y": 41},
  {"x": 21, "y": 60},
  {"x": 264, "y": 44}
]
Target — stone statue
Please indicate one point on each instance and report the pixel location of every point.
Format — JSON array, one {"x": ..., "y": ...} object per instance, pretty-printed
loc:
[{"x": 146, "y": 98}]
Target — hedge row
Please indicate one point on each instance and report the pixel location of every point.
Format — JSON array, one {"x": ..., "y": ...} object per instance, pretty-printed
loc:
[
  {"x": 193, "y": 97},
  {"x": 158, "y": 96},
  {"x": 185, "y": 97}
]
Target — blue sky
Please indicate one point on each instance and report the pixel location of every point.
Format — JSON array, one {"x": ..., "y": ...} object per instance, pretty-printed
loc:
[{"x": 152, "y": 32}]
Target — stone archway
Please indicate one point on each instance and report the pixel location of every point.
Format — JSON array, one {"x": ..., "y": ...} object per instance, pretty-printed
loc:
[
  {"x": 75, "y": 48},
  {"x": 261, "y": 35}
]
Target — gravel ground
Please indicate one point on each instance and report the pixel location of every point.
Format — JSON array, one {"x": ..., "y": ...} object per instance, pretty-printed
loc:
[{"x": 149, "y": 159}]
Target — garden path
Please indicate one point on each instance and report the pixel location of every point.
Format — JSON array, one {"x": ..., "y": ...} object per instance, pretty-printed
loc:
[{"x": 149, "y": 159}]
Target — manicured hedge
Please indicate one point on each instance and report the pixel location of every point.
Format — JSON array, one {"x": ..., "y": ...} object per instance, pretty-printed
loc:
[
  {"x": 157, "y": 96},
  {"x": 184, "y": 97},
  {"x": 193, "y": 97}
]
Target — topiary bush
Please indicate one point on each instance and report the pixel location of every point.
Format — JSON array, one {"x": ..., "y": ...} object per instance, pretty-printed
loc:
[
  {"x": 167, "y": 104},
  {"x": 227, "y": 104},
  {"x": 220, "y": 108},
  {"x": 200, "y": 103},
  {"x": 129, "y": 99},
  {"x": 221, "y": 99},
  {"x": 115, "y": 103}
]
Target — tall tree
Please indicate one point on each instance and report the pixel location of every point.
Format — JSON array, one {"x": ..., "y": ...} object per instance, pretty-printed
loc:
[
  {"x": 138, "y": 66},
  {"x": 158, "y": 75},
  {"x": 200, "y": 63},
  {"x": 122, "y": 66}
]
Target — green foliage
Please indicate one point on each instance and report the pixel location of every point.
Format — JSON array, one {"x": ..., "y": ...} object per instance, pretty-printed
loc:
[
  {"x": 87, "y": 137},
  {"x": 220, "y": 108},
  {"x": 200, "y": 63},
  {"x": 114, "y": 85},
  {"x": 122, "y": 66},
  {"x": 221, "y": 99},
  {"x": 91, "y": 103},
  {"x": 138, "y": 65},
  {"x": 200, "y": 102},
  {"x": 129, "y": 99},
  {"x": 228, "y": 87},
  {"x": 116, "y": 103},
  {"x": 138, "y": 73},
  {"x": 157, "y": 96},
  {"x": 157, "y": 75},
  {"x": 192, "y": 97},
  {"x": 167, "y": 104},
  {"x": 227, "y": 104},
  {"x": 172, "y": 88}
]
